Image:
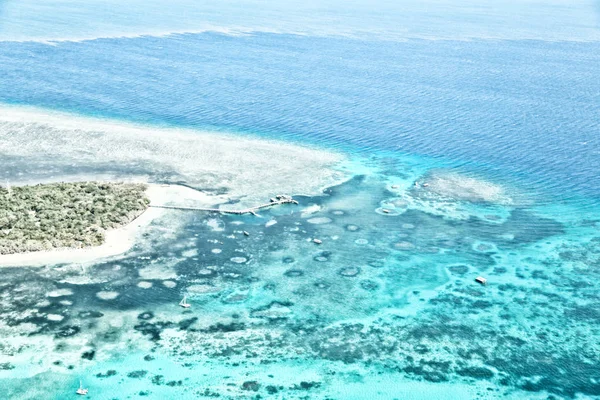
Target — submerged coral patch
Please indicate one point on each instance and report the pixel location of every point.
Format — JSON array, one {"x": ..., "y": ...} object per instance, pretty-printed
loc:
[
  {"x": 404, "y": 246},
  {"x": 369, "y": 285},
  {"x": 146, "y": 315},
  {"x": 322, "y": 256},
  {"x": 273, "y": 311},
  {"x": 376, "y": 263},
  {"x": 319, "y": 220},
  {"x": 68, "y": 331},
  {"x": 322, "y": 285},
  {"x": 202, "y": 289},
  {"x": 461, "y": 187},
  {"x": 137, "y": 374},
  {"x": 349, "y": 271},
  {"x": 237, "y": 295},
  {"x": 90, "y": 314},
  {"x": 107, "y": 295},
  {"x": 293, "y": 273}
]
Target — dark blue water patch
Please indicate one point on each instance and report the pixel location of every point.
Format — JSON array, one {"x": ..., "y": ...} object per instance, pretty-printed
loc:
[
  {"x": 564, "y": 376},
  {"x": 89, "y": 314},
  {"x": 529, "y": 228},
  {"x": 88, "y": 355},
  {"x": 521, "y": 228},
  {"x": 107, "y": 374},
  {"x": 459, "y": 270},
  {"x": 589, "y": 313},
  {"x": 152, "y": 330}
]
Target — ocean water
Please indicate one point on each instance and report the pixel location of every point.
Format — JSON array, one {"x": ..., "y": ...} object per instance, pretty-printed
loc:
[{"x": 494, "y": 107}]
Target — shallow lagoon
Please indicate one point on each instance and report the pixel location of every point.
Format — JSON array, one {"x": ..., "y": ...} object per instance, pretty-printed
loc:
[{"x": 385, "y": 307}]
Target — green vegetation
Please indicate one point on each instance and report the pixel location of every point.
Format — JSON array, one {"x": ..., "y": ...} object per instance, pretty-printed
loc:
[{"x": 42, "y": 217}]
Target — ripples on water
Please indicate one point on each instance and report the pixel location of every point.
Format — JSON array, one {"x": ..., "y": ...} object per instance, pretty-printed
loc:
[
  {"x": 389, "y": 296},
  {"x": 524, "y": 108}
]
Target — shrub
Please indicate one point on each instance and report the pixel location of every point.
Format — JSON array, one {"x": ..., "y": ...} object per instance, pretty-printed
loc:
[{"x": 39, "y": 217}]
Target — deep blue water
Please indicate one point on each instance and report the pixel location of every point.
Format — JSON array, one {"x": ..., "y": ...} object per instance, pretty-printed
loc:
[
  {"x": 528, "y": 108},
  {"x": 468, "y": 97}
]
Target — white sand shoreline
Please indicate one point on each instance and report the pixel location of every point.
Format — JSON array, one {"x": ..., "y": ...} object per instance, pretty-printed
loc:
[{"x": 120, "y": 240}]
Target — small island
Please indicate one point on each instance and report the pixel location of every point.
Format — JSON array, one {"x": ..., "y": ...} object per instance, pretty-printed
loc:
[{"x": 65, "y": 215}]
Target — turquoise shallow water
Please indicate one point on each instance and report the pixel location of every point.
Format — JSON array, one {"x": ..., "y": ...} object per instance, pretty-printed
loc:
[
  {"x": 385, "y": 308},
  {"x": 502, "y": 127}
]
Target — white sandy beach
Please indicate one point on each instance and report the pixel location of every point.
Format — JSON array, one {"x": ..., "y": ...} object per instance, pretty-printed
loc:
[{"x": 120, "y": 240}]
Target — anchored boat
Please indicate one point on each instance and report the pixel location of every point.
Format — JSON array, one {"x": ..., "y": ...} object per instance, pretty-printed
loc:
[
  {"x": 81, "y": 390},
  {"x": 183, "y": 303}
]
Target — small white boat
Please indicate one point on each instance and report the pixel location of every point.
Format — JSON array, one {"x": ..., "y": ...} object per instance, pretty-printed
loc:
[
  {"x": 81, "y": 390},
  {"x": 183, "y": 303},
  {"x": 481, "y": 279}
]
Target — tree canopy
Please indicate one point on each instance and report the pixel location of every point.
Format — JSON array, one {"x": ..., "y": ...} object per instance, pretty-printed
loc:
[{"x": 57, "y": 215}]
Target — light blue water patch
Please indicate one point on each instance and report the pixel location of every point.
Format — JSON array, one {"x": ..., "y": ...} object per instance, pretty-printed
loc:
[{"x": 387, "y": 20}]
